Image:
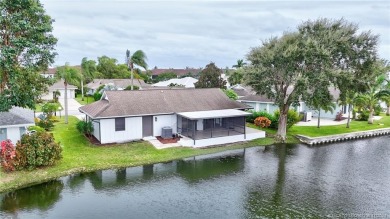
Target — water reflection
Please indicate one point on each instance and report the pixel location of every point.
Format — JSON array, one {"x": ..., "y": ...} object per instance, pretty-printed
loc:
[{"x": 41, "y": 197}]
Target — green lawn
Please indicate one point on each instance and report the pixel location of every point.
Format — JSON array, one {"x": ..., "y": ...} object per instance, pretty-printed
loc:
[
  {"x": 87, "y": 99},
  {"x": 80, "y": 156},
  {"x": 313, "y": 131}
]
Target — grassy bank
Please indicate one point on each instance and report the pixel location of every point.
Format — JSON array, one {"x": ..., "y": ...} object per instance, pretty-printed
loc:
[
  {"x": 313, "y": 131},
  {"x": 80, "y": 156},
  {"x": 87, "y": 99}
]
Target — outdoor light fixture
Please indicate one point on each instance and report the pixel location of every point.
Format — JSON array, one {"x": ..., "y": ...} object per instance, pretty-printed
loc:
[{"x": 155, "y": 119}]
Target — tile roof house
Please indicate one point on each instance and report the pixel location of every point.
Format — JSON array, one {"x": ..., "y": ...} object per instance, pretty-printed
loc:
[
  {"x": 14, "y": 123},
  {"x": 187, "y": 82},
  {"x": 119, "y": 83},
  {"x": 202, "y": 117},
  {"x": 59, "y": 86},
  {"x": 179, "y": 72}
]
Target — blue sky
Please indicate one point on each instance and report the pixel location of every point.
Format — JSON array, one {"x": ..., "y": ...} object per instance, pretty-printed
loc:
[{"x": 185, "y": 33}]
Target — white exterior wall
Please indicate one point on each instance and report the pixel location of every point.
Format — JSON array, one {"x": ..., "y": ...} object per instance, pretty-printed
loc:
[
  {"x": 199, "y": 125},
  {"x": 96, "y": 129},
  {"x": 162, "y": 121},
  {"x": 71, "y": 94},
  {"x": 133, "y": 130},
  {"x": 13, "y": 133}
]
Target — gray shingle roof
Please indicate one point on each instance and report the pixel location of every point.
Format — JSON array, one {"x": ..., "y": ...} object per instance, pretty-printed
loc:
[
  {"x": 16, "y": 116},
  {"x": 152, "y": 102},
  {"x": 60, "y": 85},
  {"x": 122, "y": 83}
]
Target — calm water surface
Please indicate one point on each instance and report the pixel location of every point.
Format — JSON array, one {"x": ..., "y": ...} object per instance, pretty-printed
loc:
[{"x": 345, "y": 179}]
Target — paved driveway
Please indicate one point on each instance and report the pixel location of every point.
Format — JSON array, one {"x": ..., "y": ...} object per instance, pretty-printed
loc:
[{"x": 73, "y": 108}]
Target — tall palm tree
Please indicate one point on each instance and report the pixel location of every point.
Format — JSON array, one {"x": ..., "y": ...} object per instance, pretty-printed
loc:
[
  {"x": 138, "y": 58},
  {"x": 88, "y": 69},
  {"x": 70, "y": 76},
  {"x": 240, "y": 64}
]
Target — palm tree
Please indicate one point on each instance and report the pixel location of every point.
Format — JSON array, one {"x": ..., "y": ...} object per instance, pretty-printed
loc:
[
  {"x": 240, "y": 64},
  {"x": 138, "y": 58},
  {"x": 370, "y": 100},
  {"x": 349, "y": 100},
  {"x": 70, "y": 76},
  {"x": 88, "y": 68}
]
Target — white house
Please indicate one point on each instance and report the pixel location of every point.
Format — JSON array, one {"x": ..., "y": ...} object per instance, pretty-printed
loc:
[
  {"x": 262, "y": 103},
  {"x": 187, "y": 82},
  {"x": 14, "y": 123},
  {"x": 202, "y": 117},
  {"x": 59, "y": 86}
]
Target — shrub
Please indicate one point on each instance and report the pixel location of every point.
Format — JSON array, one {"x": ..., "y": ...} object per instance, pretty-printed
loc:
[
  {"x": 339, "y": 116},
  {"x": 135, "y": 87},
  {"x": 292, "y": 118},
  {"x": 7, "y": 156},
  {"x": 97, "y": 96},
  {"x": 46, "y": 124},
  {"x": 231, "y": 94},
  {"x": 377, "y": 110},
  {"x": 36, "y": 128},
  {"x": 85, "y": 127},
  {"x": 37, "y": 150},
  {"x": 251, "y": 118},
  {"x": 263, "y": 122},
  {"x": 363, "y": 116}
]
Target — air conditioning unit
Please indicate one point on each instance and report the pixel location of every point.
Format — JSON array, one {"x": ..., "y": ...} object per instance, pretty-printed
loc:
[{"x": 166, "y": 132}]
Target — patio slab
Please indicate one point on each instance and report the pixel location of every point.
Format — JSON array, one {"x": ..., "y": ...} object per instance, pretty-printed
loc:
[{"x": 158, "y": 145}]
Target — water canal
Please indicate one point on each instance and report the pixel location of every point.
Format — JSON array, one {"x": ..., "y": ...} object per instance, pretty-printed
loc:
[{"x": 345, "y": 179}]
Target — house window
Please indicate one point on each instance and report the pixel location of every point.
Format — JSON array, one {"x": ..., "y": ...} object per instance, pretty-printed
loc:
[
  {"x": 120, "y": 124},
  {"x": 3, "y": 134},
  {"x": 22, "y": 131}
]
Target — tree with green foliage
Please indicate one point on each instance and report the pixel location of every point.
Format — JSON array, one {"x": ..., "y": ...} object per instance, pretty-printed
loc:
[
  {"x": 321, "y": 100},
  {"x": 240, "y": 64},
  {"x": 286, "y": 69},
  {"x": 210, "y": 77},
  {"x": 26, "y": 49},
  {"x": 231, "y": 94},
  {"x": 236, "y": 77},
  {"x": 70, "y": 75},
  {"x": 138, "y": 58},
  {"x": 50, "y": 108},
  {"x": 88, "y": 69},
  {"x": 106, "y": 66},
  {"x": 165, "y": 76}
]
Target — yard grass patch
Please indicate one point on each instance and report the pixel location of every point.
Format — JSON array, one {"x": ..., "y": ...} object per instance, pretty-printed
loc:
[
  {"x": 81, "y": 156},
  {"x": 87, "y": 99}
]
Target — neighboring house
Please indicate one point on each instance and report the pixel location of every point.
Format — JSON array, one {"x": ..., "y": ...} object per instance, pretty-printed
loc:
[
  {"x": 179, "y": 72},
  {"x": 262, "y": 103},
  {"x": 120, "y": 84},
  {"x": 187, "y": 82},
  {"x": 59, "y": 86},
  {"x": 14, "y": 123},
  {"x": 49, "y": 73},
  {"x": 202, "y": 117}
]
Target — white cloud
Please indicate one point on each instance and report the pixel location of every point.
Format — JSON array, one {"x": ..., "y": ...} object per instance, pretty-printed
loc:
[{"x": 193, "y": 33}]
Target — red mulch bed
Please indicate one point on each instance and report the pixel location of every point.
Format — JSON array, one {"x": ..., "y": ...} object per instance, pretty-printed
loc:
[{"x": 168, "y": 140}]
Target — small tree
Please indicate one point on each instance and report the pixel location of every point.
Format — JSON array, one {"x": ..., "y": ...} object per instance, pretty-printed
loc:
[
  {"x": 50, "y": 108},
  {"x": 210, "y": 77}
]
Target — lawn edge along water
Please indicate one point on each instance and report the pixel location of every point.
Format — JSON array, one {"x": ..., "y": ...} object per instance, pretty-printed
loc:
[{"x": 80, "y": 156}]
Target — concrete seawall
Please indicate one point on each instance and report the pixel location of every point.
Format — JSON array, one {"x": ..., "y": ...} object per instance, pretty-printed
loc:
[{"x": 342, "y": 137}]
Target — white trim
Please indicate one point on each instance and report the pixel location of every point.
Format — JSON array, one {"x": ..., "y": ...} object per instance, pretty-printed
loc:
[
  {"x": 17, "y": 125},
  {"x": 214, "y": 114}
]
